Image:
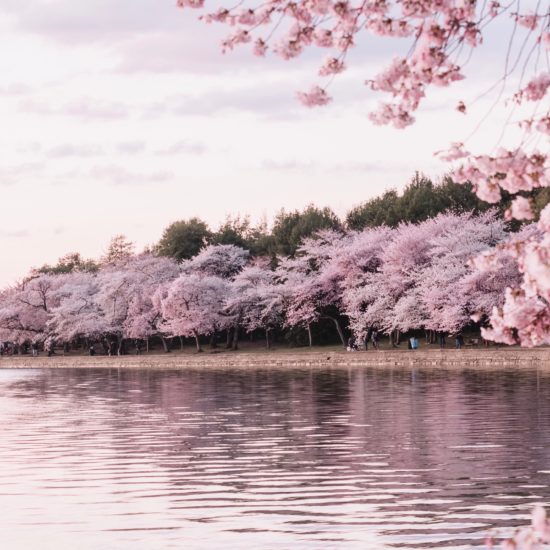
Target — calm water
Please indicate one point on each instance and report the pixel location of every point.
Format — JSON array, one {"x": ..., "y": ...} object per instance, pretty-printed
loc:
[{"x": 360, "y": 459}]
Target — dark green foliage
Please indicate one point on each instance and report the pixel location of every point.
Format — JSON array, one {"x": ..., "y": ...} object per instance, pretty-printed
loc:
[
  {"x": 239, "y": 232},
  {"x": 184, "y": 239},
  {"x": 232, "y": 231},
  {"x": 69, "y": 263},
  {"x": 420, "y": 200},
  {"x": 381, "y": 210},
  {"x": 291, "y": 227}
]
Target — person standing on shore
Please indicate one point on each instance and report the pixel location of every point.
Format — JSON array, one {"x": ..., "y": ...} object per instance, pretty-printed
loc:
[
  {"x": 442, "y": 340},
  {"x": 459, "y": 341}
]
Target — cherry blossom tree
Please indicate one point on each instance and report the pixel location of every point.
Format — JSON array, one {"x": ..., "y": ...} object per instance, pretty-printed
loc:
[
  {"x": 222, "y": 260},
  {"x": 25, "y": 309},
  {"x": 124, "y": 297},
  {"x": 146, "y": 273},
  {"x": 313, "y": 282},
  {"x": 193, "y": 305},
  {"x": 77, "y": 313},
  {"x": 225, "y": 261},
  {"x": 441, "y": 36},
  {"x": 423, "y": 276},
  {"x": 443, "y": 291},
  {"x": 256, "y": 300}
]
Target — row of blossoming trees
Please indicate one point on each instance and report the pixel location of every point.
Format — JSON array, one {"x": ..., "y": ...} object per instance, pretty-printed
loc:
[{"x": 416, "y": 276}]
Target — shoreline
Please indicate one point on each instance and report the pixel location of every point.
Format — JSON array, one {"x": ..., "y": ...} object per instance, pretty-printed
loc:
[{"x": 449, "y": 359}]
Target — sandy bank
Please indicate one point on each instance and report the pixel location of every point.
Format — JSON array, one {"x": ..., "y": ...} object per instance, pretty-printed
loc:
[{"x": 466, "y": 358}]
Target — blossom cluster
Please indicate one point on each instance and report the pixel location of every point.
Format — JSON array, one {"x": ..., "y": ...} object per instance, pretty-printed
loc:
[
  {"x": 416, "y": 276},
  {"x": 532, "y": 537},
  {"x": 438, "y": 32}
]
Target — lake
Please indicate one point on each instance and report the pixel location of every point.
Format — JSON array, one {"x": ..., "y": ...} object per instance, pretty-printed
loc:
[{"x": 269, "y": 459}]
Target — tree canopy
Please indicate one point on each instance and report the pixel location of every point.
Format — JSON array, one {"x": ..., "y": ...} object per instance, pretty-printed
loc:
[
  {"x": 421, "y": 199},
  {"x": 184, "y": 239}
]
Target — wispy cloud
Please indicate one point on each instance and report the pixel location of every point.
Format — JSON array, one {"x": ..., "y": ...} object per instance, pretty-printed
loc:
[
  {"x": 16, "y": 234},
  {"x": 85, "y": 108},
  {"x": 19, "y": 173},
  {"x": 184, "y": 147},
  {"x": 131, "y": 147},
  {"x": 75, "y": 150},
  {"x": 117, "y": 175}
]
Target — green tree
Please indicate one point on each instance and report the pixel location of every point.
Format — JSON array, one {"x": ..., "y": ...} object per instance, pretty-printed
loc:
[
  {"x": 421, "y": 199},
  {"x": 234, "y": 230},
  {"x": 291, "y": 227},
  {"x": 68, "y": 263},
  {"x": 120, "y": 248},
  {"x": 240, "y": 232},
  {"x": 184, "y": 239},
  {"x": 378, "y": 211}
]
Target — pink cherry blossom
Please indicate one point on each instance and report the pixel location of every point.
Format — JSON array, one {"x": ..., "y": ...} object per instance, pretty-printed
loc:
[
  {"x": 520, "y": 209},
  {"x": 316, "y": 96}
]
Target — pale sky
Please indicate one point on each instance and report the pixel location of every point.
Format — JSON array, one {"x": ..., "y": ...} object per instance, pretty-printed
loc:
[{"x": 121, "y": 116}]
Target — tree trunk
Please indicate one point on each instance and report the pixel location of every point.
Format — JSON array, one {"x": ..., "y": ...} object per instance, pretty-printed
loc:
[
  {"x": 181, "y": 343},
  {"x": 339, "y": 330},
  {"x": 228, "y": 339},
  {"x": 267, "y": 342},
  {"x": 147, "y": 344},
  {"x": 309, "y": 336},
  {"x": 165, "y": 345},
  {"x": 197, "y": 342},
  {"x": 213, "y": 342},
  {"x": 397, "y": 336},
  {"x": 235, "y": 345}
]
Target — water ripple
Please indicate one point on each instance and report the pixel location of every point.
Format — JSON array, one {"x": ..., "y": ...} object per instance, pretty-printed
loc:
[{"x": 337, "y": 459}]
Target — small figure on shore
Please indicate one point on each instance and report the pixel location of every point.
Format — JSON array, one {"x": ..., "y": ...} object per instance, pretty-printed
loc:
[
  {"x": 50, "y": 349},
  {"x": 375, "y": 339},
  {"x": 138, "y": 347},
  {"x": 413, "y": 342},
  {"x": 92, "y": 350},
  {"x": 34, "y": 349},
  {"x": 459, "y": 341},
  {"x": 442, "y": 341},
  {"x": 351, "y": 344}
]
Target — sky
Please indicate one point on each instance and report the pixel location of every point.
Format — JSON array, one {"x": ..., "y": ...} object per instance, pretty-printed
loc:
[{"x": 122, "y": 116}]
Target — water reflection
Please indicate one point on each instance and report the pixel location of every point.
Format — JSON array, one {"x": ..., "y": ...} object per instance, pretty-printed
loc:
[{"x": 334, "y": 459}]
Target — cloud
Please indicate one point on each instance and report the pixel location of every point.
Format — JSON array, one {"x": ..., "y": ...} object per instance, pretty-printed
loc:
[
  {"x": 72, "y": 150},
  {"x": 89, "y": 108},
  {"x": 131, "y": 147},
  {"x": 83, "y": 108},
  {"x": 266, "y": 98},
  {"x": 84, "y": 21},
  {"x": 12, "y": 175},
  {"x": 14, "y": 89},
  {"x": 116, "y": 175},
  {"x": 184, "y": 147},
  {"x": 290, "y": 165},
  {"x": 17, "y": 234}
]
